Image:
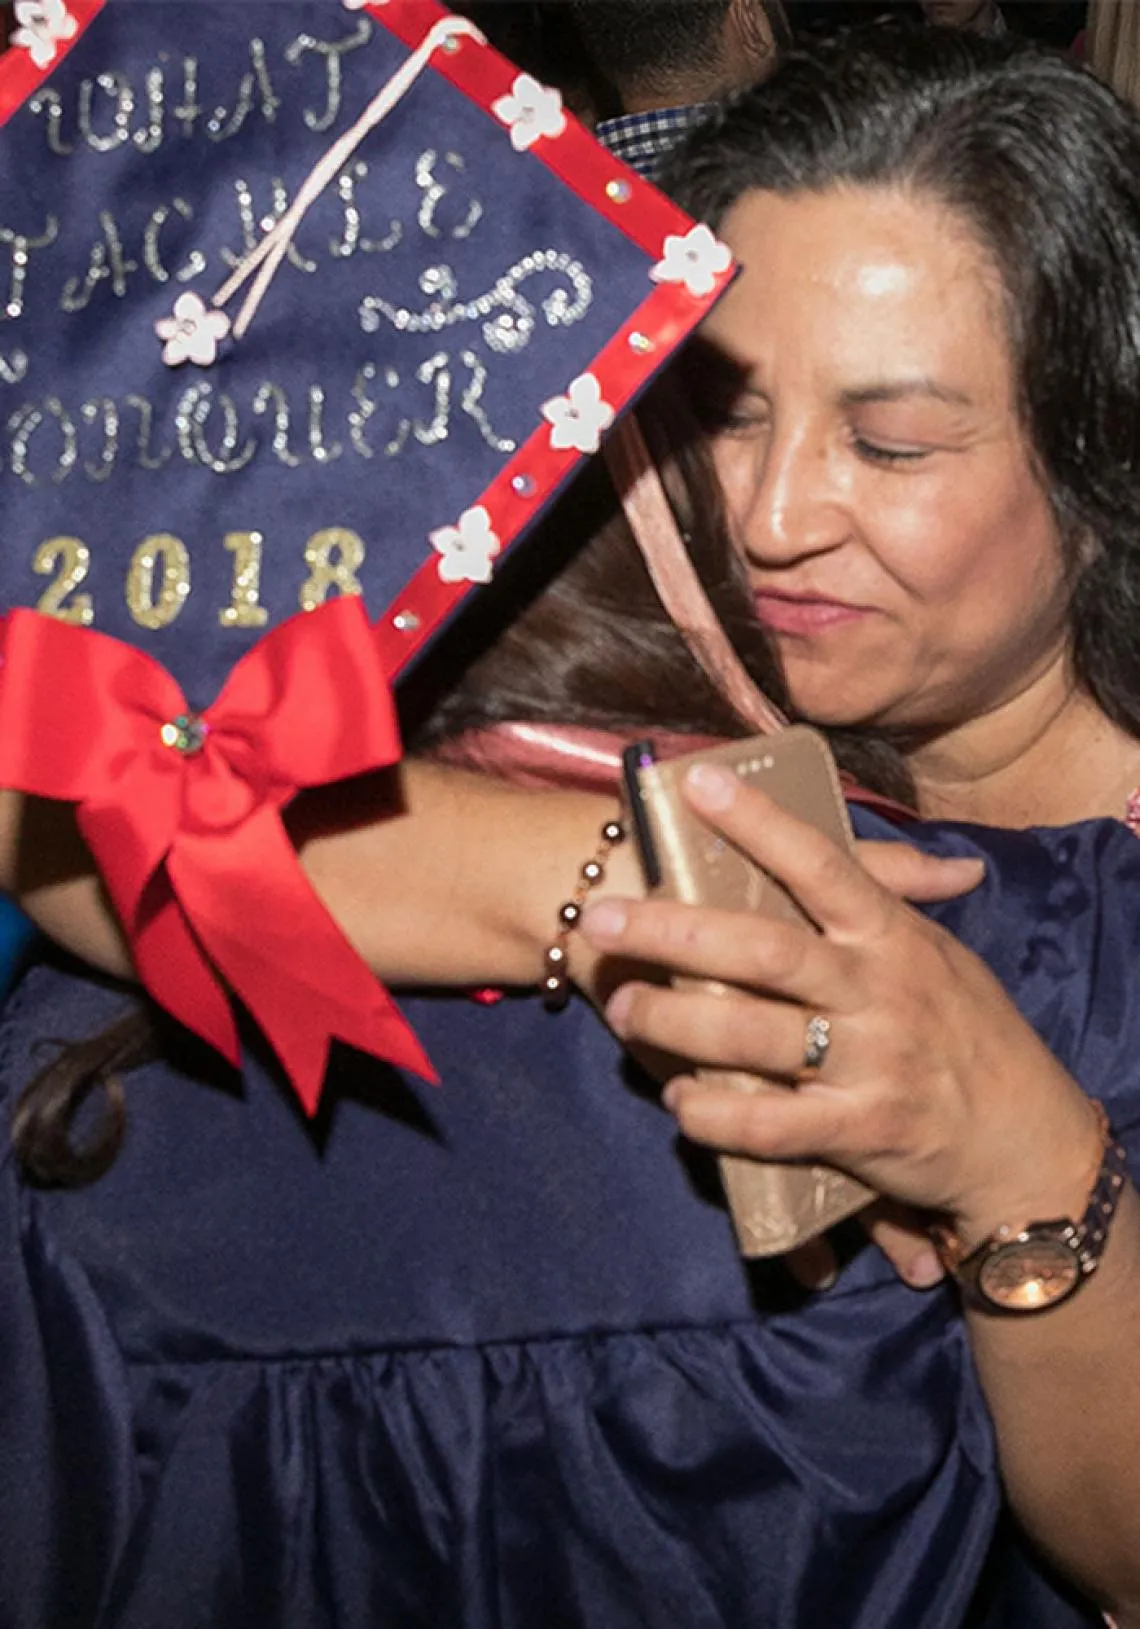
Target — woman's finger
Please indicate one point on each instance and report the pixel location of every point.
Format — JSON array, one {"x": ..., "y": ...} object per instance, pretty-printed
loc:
[
  {"x": 735, "y": 947},
  {"x": 925, "y": 879},
  {"x": 903, "y": 1235},
  {"x": 717, "y": 1029},
  {"x": 899, "y": 1231},
  {"x": 808, "y": 1122},
  {"x": 830, "y": 884}
]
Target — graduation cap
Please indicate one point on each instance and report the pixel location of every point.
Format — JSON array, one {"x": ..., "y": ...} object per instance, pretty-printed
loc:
[{"x": 307, "y": 309}]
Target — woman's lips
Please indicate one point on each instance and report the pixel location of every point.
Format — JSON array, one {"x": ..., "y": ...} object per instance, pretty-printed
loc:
[{"x": 803, "y": 614}]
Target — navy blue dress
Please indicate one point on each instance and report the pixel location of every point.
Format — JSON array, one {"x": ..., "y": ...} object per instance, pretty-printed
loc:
[{"x": 484, "y": 1357}]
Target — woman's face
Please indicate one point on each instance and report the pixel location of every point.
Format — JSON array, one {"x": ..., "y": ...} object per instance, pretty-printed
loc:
[{"x": 901, "y": 549}]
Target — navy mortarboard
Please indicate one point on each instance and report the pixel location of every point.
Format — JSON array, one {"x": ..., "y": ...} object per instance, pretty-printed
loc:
[{"x": 306, "y": 309}]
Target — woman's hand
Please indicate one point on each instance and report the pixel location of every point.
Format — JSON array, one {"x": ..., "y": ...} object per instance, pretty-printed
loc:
[{"x": 934, "y": 1090}]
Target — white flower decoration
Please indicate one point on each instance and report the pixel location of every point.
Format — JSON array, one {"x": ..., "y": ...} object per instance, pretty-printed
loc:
[
  {"x": 696, "y": 260},
  {"x": 193, "y": 333},
  {"x": 578, "y": 418},
  {"x": 530, "y": 111},
  {"x": 355, "y": 5},
  {"x": 467, "y": 549},
  {"x": 44, "y": 25}
]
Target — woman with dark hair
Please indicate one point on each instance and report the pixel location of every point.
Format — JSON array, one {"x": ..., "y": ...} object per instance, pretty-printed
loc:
[
  {"x": 924, "y": 396},
  {"x": 927, "y": 414}
]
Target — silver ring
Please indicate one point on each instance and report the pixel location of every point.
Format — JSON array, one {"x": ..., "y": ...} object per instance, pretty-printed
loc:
[{"x": 817, "y": 1040}]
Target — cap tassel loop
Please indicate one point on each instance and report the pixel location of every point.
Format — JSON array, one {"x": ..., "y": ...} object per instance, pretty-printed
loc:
[
  {"x": 654, "y": 526},
  {"x": 272, "y": 249}
]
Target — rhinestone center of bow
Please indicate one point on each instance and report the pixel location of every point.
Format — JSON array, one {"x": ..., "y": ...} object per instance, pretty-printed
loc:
[{"x": 185, "y": 734}]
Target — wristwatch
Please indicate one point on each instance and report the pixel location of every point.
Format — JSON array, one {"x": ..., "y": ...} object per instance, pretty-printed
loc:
[{"x": 1038, "y": 1266}]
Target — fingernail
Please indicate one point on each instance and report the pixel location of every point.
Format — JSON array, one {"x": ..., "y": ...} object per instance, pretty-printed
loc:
[
  {"x": 672, "y": 1095},
  {"x": 925, "y": 1270},
  {"x": 604, "y": 919},
  {"x": 967, "y": 865},
  {"x": 712, "y": 787}
]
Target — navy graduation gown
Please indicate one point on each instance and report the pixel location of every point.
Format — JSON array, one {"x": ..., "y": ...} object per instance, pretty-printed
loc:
[{"x": 485, "y": 1357}]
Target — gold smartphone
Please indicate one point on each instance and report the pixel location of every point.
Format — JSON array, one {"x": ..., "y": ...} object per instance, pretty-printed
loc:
[{"x": 775, "y": 1207}]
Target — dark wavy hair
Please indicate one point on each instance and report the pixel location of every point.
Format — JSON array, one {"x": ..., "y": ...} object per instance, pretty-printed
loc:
[
  {"x": 573, "y": 631},
  {"x": 1042, "y": 162},
  {"x": 570, "y": 632}
]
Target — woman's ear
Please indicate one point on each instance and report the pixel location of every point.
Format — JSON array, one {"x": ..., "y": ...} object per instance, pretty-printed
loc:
[
  {"x": 1081, "y": 551},
  {"x": 1088, "y": 548}
]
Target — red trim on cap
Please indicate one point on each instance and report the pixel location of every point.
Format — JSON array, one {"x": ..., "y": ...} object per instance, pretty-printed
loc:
[
  {"x": 622, "y": 370},
  {"x": 19, "y": 76},
  {"x": 666, "y": 316}
]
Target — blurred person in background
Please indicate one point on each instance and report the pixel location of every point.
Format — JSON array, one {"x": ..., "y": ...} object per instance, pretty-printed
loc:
[
  {"x": 1112, "y": 46},
  {"x": 663, "y": 65},
  {"x": 1059, "y": 23},
  {"x": 972, "y": 16}
]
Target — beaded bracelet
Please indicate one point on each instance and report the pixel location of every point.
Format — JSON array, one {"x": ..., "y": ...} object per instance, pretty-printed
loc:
[{"x": 556, "y": 983}]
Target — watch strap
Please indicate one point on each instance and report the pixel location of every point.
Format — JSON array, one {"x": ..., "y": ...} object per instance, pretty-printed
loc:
[
  {"x": 1086, "y": 1237},
  {"x": 1095, "y": 1223}
]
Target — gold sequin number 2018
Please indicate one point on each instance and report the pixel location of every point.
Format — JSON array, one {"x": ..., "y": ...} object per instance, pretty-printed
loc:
[{"x": 158, "y": 577}]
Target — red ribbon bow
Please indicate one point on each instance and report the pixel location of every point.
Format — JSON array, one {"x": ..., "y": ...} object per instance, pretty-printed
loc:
[{"x": 181, "y": 812}]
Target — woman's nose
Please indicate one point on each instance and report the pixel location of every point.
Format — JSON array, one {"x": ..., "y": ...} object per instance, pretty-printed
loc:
[{"x": 789, "y": 506}]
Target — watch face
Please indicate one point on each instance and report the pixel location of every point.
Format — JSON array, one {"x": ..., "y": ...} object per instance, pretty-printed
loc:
[{"x": 1029, "y": 1273}]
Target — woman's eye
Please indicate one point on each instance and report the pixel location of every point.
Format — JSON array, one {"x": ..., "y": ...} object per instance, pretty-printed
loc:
[
  {"x": 875, "y": 453},
  {"x": 734, "y": 418},
  {"x": 725, "y": 408}
]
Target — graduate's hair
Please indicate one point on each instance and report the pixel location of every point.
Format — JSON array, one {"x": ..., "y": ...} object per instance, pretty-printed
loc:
[
  {"x": 571, "y": 632},
  {"x": 1041, "y": 162}
]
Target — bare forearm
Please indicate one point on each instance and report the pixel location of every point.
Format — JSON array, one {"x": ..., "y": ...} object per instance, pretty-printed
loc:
[
  {"x": 1063, "y": 1388},
  {"x": 435, "y": 875},
  {"x": 47, "y": 868},
  {"x": 458, "y": 879}
]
